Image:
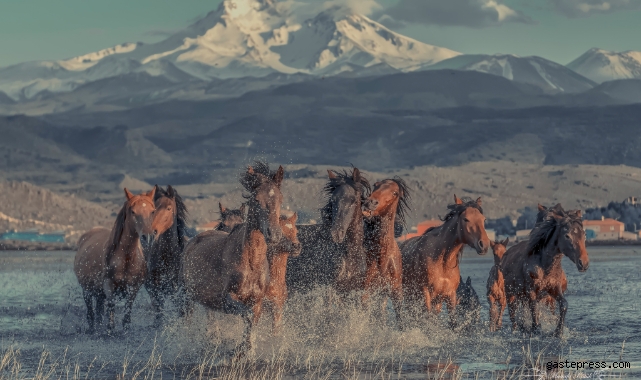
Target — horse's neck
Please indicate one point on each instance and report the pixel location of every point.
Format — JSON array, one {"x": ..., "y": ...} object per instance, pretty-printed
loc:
[
  {"x": 129, "y": 243},
  {"x": 450, "y": 245},
  {"x": 169, "y": 241},
  {"x": 551, "y": 258},
  {"x": 354, "y": 237},
  {"x": 380, "y": 237}
]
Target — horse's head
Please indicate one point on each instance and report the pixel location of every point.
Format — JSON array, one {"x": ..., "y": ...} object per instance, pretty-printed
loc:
[
  {"x": 141, "y": 211},
  {"x": 265, "y": 199},
  {"x": 230, "y": 218},
  {"x": 346, "y": 193},
  {"x": 499, "y": 248},
  {"x": 471, "y": 224},
  {"x": 290, "y": 233},
  {"x": 166, "y": 210},
  {"x": 565, "y": 230},
  {"x": 572, "y": 240},
  {"x": 388, "y": 197}
]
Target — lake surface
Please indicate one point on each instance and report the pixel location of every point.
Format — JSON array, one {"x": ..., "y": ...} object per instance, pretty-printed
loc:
[{"x": 42, "y": 319}]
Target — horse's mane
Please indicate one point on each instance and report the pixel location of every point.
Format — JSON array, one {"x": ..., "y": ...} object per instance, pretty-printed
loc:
[
  {"x": 456, "y": 209},
  {"x": 542, "y": 233},
  {"x": 181, "y": 213},
  {"x": 342, "y": 178},
  {"x": 117, "y": 230},
  {"x": 248, "y": 180},
  {"x": 403, "y": 204}
]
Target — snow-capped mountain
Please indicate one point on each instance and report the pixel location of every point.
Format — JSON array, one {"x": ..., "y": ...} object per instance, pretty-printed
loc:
[
  {"x": 241, "y": 38},
  {"x": 602, "y": 65},
  {"x": 547, "y": 75}
]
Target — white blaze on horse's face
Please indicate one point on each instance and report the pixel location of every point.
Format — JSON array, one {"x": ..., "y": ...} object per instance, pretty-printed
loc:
[
  {"x": 271, "y": 192},
  {"x": 289, "y": 225}
]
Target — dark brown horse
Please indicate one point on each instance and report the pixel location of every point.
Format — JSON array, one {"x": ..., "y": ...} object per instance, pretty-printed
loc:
[
  {"x": 496, "y": 286},
  {"x": 533, "y": 271},
  {"x": 165, "y": 254},
  {"x": 387, "y": 203},
  {"x": 111, "y": 263},
  {"x": 230, "y": 218},
  {"x": 278, "y": 254},
  {"x": 230, "y": 272},
  {"x": 431, "y": 272},
  {"x": 333, "y": 252}
]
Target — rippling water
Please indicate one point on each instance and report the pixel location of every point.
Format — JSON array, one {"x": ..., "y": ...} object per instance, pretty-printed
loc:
[{"x": 41, "y": 310}]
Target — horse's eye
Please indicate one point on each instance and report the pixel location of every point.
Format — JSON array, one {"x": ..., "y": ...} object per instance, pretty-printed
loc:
[
  {"x": 395, "y": 194},
  {"x": 168, "y": 208}
]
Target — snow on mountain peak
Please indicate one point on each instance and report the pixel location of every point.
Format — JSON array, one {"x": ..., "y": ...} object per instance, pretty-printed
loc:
[{"x": 602, "y": 65}]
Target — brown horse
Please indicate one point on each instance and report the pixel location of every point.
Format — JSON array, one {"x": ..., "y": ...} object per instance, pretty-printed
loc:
[
  {"x": 230, "y": 272},
  {"x": 496, "y": 286},
  {"x": 388, "y": 202},
  {"x": 230, "y": 218},
  {"x": 111, "y": 263},
  {"x": 431, "y": 270},
  {"x": 277, "y": 254},
  {"x": 165, "y": 254},
  {"x": 533, "y": 271},
  {"x": 333, "y": 252}
]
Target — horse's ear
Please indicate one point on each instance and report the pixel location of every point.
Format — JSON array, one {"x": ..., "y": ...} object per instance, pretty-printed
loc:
[
  {"x": 278, "y": 177},
  {"x": 356, "y": 175},
  {"x": 506, "y": 241},
  {"x": 242, "y": 210},
  {"x": 469, "y": 281},
  {"x": 457, "y": 200},
  {"x": 222, "y": 209},
  {"x": 151, "y": 193},
  {"x": 293, "y": 218},
  {"x": 479, "y": 201},
  {"x": 128, "y": 194},
  {"x": 541, "y": 207},
  {"x": 578, "y": 213},
  {"x": 331, "y": 174}
]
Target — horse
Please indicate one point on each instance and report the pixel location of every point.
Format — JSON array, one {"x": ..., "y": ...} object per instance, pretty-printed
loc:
[
  {"x": 533, "y": 270},
  {"x": 164, "y": 255},
  {"x": 230, "y": 272},
  {"x": 332, "y": 251},
  {"x": 111, "y": 263},
  {"x": 230, "y": 218},
  {"x": 387, "y": 202},
  {"x": 468, "y": 308},
  {"x": 277, "y": 255},
  {"x": 431, "y": 270},
  {"x": 496, "y": 285}
]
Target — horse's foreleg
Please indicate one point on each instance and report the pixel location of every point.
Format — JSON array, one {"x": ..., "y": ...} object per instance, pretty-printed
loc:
[
  {"x": 563, "y": 308},
  {"x": 450, "y": 302},
  {"x": 100, "y": 307},
  {"x": 397, "y": 302},
  {"x": 157, "y": 302},
  {"x": 499, "y": 319},
  {"x": 278, "y": 305},
  {"x": 88, "y": 297},
  {"x": 536, "y": 323},
  {"x": 512, "y": 305},
  {"x": 427, "y": 296},
  {"x": 110, "y": 296},
  {"x": 493, "y": 313},
  {"x": 129, "y": 302}
]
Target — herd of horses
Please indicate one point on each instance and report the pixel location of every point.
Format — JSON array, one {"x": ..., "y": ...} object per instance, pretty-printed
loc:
[{"x": 244, "y": 264}]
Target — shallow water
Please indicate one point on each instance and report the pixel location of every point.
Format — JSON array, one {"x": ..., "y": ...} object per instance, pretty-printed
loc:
[{"x": 41, "y": 310}]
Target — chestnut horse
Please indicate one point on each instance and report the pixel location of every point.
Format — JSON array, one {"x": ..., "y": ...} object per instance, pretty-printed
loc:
[
  {"x": 533, "y": 271},
  {"x": 277, "y": 255},
  {"x": 111, "y": 263},
  {"x": 496, "y": 286},
  {"x": 230, "y": 272},
  {"x": 165, "y": 254},
  {"x": 431, "y": 270},
  {"x": 332, "y": 251},
  {"x": 230, "y": 218},
  {"x": 388, "y": 202}
]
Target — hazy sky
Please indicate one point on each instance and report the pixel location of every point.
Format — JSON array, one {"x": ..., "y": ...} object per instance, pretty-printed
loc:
[{"x": 559, "y": 30}]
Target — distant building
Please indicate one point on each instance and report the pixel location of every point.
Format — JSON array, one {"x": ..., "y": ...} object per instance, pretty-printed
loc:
[
  {"x": 491, "y": 234},
  {"x": 604, "y": 229},
  {"x": 630, "y": 201},
  {"x": 207, "y": 226}
]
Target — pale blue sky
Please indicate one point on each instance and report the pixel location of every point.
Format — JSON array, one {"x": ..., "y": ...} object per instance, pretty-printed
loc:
[{"x": 46, "y": 29}]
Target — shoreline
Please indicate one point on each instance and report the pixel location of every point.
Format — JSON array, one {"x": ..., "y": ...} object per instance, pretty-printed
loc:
[{"x": 14, "y": 245}]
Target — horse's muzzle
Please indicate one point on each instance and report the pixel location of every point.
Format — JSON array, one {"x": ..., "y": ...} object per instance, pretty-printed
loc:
[{"x": 582, "y": 266}]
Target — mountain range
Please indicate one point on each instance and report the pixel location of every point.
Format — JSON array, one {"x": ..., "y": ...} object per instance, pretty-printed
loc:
[{"x": 248, "y": 45}]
